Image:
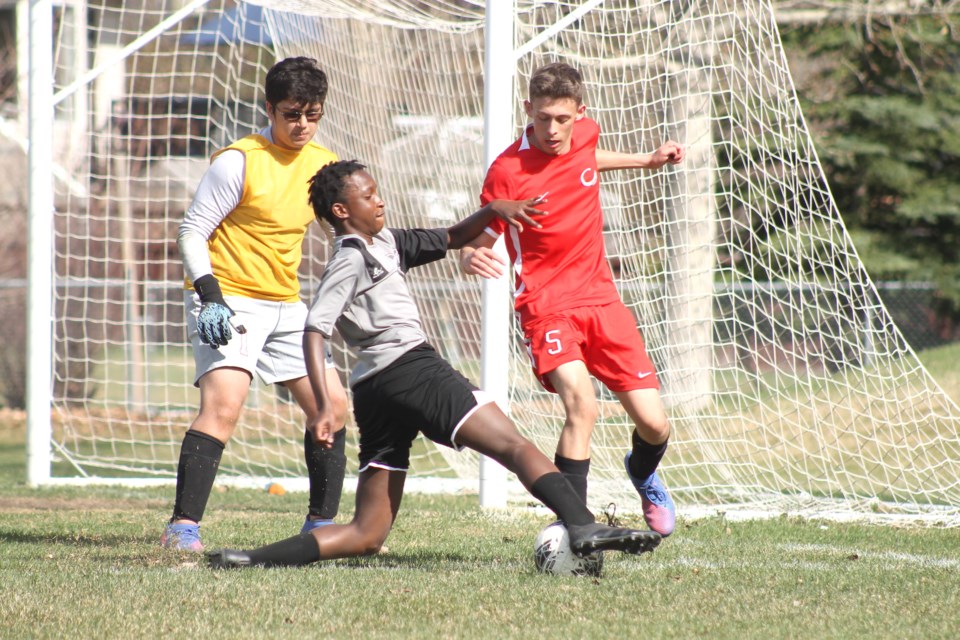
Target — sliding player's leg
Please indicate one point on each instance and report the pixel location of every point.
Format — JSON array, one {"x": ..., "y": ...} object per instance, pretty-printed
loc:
[
  {"x": 490, "y": 432},
  {"x": 379, "y": 493}
]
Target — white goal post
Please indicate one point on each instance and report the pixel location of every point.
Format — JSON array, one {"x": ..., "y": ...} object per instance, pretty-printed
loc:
[{"x": 788, "y": 386}]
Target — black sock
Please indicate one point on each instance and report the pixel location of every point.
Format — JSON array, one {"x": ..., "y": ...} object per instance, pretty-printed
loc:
[
  {"x": 292, "y": 552},
  {"x": 645, "y": 457},
  {"x": 199, "y": 460},
  {"x": 575, "y": 471},
  {"x": 553, "y": 490},
  {"x": 325, "y": 468}
]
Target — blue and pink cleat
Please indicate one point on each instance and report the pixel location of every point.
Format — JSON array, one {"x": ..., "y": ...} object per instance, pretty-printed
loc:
[
  {"x": 658, "y": 508},
  {"x": 183, "y": 537}
]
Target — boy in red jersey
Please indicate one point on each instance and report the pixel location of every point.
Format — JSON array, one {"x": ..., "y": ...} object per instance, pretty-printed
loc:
[{"x": 573, "y": 319}]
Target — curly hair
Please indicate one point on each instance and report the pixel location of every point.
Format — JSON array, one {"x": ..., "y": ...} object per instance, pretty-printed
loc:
[{"x": 326, "y": 188}]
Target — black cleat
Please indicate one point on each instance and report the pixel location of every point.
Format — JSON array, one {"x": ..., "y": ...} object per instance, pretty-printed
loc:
[
  {"x": 228, "y": 559},
  {"x": 591, "y": 538}
]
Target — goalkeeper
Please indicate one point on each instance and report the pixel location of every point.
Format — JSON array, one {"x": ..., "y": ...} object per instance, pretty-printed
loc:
[
  {"x": 401, "y": 386},
  {"x": 241, "y": 241},
  {"x": 570, "y": 311}
]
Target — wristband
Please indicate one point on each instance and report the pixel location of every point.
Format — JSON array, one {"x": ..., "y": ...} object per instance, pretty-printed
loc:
[{"x": 208, "y": 288}]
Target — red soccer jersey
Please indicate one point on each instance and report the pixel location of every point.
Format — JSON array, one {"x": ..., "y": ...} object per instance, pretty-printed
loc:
[{"x": 563, "y": 264}]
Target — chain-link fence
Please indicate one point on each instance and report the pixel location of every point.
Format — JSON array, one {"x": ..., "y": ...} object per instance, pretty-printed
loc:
[{"x": 917, "y": 310}]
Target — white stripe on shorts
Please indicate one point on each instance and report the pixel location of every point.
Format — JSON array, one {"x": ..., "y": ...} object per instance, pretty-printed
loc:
[{"x": 482, "y": 398}]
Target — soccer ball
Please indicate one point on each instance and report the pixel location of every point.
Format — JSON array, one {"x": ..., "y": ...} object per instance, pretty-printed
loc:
[{"x": 552, "y": 554}]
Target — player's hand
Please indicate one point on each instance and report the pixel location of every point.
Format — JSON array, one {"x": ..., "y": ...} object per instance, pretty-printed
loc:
[
  {"x": 670, "y": 152},
  {"x": 483, "y": 262},
  {"x": 213, "y": 321},
  {"x": 518, "y": 212},
  {"x": 322, "y": 427},
  {"x": 213, "y": 324}
]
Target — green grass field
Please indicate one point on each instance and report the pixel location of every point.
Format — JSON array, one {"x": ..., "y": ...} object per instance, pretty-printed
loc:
[{"x": 84, "y": 563}]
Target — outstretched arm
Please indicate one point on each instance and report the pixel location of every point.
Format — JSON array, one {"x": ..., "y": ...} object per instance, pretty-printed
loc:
[
  {"x": 515, "y": 212},
  {"x": 477, "y": 257},
  {"x": 670, "y": 152}
]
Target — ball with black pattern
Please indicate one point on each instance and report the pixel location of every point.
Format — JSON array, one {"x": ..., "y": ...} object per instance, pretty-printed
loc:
[{"x": 552, "y": 554}]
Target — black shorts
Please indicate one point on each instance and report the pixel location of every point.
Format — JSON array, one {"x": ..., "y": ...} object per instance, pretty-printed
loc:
[{"x": 418, "y": 393}]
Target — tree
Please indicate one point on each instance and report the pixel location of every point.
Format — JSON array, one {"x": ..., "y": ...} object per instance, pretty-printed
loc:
[{"x": 882, "y": 97}]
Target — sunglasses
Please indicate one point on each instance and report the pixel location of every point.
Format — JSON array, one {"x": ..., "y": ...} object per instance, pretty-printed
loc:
[{"x": 294, "y": 115}]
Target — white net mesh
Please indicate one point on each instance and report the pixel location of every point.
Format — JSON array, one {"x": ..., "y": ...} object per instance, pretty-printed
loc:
[{"x": 787, "y": 384}]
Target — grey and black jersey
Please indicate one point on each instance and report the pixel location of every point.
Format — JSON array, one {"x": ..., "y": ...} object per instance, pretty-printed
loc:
[{"x": 363, "y": 294}]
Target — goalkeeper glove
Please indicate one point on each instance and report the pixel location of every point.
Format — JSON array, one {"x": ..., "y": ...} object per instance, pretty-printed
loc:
[{"x": 213, "y": 321}]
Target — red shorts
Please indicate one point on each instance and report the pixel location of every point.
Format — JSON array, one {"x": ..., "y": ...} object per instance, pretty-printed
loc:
[{"x": 605, "y": 338}]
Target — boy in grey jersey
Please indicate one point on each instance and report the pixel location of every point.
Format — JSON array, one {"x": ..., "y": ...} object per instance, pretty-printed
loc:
[
  {"x": 402, "y": 386},
  {"x": 368, "y": 301}
]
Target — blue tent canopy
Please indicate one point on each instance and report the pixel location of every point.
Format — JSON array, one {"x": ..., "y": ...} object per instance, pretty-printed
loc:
[{"x": 233, "y": 25}]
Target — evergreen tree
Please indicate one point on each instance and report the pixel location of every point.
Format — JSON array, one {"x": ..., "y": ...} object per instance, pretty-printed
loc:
[{"x": 882, "y": 96}]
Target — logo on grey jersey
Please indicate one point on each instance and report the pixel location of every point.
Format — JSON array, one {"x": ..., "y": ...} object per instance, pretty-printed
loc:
[{"x": 374, "y": 268}]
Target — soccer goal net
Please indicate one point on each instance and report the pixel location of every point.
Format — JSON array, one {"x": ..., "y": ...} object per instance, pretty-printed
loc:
[{"x": 788, "y": 386}]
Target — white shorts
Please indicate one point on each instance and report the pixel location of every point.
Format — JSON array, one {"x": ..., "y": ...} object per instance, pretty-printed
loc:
[{"x": 272, "y": 347}]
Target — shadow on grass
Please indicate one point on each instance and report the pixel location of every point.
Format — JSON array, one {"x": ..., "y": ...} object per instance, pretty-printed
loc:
[
  {"x": 409, "y": 562},
  {"x": 130, "y": 548},
  {"x": 421, "y": 561}
]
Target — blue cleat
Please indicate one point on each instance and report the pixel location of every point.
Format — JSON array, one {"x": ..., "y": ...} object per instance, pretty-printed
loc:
[
  {"x": 184, "y": 537},
  {"x": 309, "y": 525},
  {"x": 658, "y": 508}
]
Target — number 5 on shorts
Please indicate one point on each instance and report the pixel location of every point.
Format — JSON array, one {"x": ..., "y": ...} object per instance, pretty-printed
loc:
[{"x": 553, "y": 337}]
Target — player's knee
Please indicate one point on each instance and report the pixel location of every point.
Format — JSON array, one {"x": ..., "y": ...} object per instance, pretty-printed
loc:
[
  {"x": 372, "y": 549},
  {"x": 370, "y": 542},
  {"x": 582, "y": 414},
  {"x": 340, "y": 405},
  {"x": 513, "y": 446},
  {"x": 340, "y": 410},
  {"x": 506, "y": 434},
  {"x": 654, "y": 431},
  {"x": 580, "y": 426},
  {"x": 218, "y": 422}
]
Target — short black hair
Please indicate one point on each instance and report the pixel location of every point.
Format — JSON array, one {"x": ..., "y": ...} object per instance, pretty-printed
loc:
[
  {"x": 298, "y": 79},
  {"x": 326, "y": 188}
]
